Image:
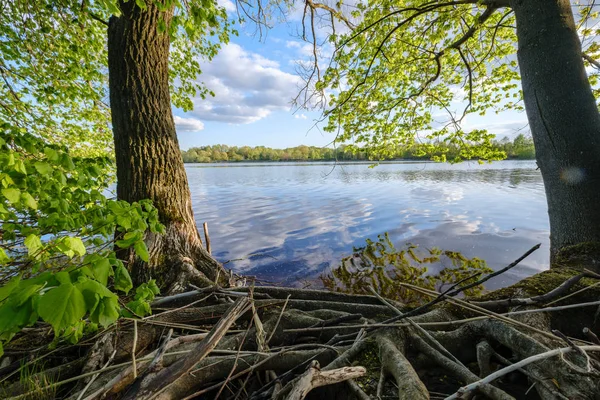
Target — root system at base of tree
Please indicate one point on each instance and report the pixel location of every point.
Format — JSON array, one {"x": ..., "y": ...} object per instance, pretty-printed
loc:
[{"x": 534, "y": 340}]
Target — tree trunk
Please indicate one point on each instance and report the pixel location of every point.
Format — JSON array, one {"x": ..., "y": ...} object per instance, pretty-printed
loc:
[
  {"x": 565, "y": 126},
  {"x": 149, "y": 162}
]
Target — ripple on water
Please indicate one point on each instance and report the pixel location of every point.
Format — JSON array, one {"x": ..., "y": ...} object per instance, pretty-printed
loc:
[{"x": 303, "y": 218}]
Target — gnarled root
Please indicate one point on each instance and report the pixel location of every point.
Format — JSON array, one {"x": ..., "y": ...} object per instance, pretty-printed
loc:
[{"x": 268, "y": 350}]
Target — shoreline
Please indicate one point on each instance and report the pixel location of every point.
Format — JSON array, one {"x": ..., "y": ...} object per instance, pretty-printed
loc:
[{"x": 346, "y": 162}]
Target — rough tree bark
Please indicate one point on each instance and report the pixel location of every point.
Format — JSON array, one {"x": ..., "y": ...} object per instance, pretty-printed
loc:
[
  {"x": 565, "y": 125},
  {"x": 149, "y": 162}
]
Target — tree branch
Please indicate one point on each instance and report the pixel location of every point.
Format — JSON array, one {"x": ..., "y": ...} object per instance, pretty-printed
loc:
[{"x": 589, "y": 59}]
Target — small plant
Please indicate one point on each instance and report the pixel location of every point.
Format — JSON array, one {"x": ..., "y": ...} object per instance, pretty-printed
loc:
[
  {"x": 38, "y": 385},
  {"x": 57, "y": 240},
  {"x": 380, "y": 265}
]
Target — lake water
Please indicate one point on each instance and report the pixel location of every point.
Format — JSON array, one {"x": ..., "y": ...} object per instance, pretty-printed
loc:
[{"x": 289, "y": 222}]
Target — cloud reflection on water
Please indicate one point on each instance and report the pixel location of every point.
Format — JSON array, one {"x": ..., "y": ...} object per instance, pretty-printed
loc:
[{"x": 299, "y": 220}]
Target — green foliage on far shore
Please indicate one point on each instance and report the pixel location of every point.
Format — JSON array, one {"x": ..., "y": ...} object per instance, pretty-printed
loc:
[{"x": 519, "y": 148}]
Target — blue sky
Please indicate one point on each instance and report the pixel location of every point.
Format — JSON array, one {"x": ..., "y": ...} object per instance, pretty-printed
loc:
[{"x": 255, "y": 81}]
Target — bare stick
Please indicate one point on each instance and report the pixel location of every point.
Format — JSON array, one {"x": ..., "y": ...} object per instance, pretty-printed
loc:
[
  {"x": 444, "y": 324},
  {"x": 154, "y": 364},
  {"x": 496, "y": 273},
  {"x": 591, "y": 335},
  {"x": 550, "y": 388},
  {"x": 97, "y": 374},
  {"x": 573, "y": 294},
  {"x": 279, "y": 318},
  {"x": 162, "y": 314},
  {"x": 480, "y": 310},
  {"x": 379, "y": 391},
  {"x": 441, "y": 296},
  {"x": 135, "y": 339},
  {"x": 160, "y": 352},
  {"x": 205, "y": 226},
  {"x": 460, "y": 372},
  {"x": 235, "y": 362},
  {"x": 250, "y": 369},
  {"x": 314, "y": 377},
  {"x": 422, "y": 331},
  {"x": 169, "y": 375},
  {"x": 126, "y": 376},
  {"x": 553, "y": 294},
  {"x": 501, "y": 372}
]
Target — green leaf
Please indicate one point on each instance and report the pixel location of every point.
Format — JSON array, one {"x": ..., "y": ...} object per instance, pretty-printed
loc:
[
  {"x": 63, "y": 277},
  {"x": 139, "y": 307},
  {"x": 124, "y": 221},
  {"x": 7, "y": 289},
  {"x": 67, "y": 162},
  {"x": 29, "y": 201},
  {"x": 20, "y": 167},
  {"x": 109, "y": 311},
  {"x": 74, "y": 333},
  {"x": 4, "y": 259},
  {"x": 76, "y": 244},
  {"x": 141, "y": 4},
  {"x": 43, "y": 167},
  {"x": 22, "y": 294},
  {"x": 141, "y": 250},
  {"x": 51, "y": 154},
  {"x": 153, "y": 286},
  {"x": 102, "y": 270},
  {"x": 12, "y": 195},
  {"x": 128, "y": 239},
  {"x": 13, "y": 318},
  {"x": 33, "y": 244},
  {"x": 62, "y": 307},
  {"x": 93, "y": 293},
  {"x": 122, "y": 279},
  {"x": 106, "y": 312}
]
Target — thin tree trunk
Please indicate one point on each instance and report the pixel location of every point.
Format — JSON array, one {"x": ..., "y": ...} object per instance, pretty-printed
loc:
[
  {"x": 149, "y": 162},
  {"x": 565, "y": 125}
]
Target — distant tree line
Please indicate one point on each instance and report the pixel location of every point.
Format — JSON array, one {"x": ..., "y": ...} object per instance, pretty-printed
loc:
[{"x": 519, "y": 148}]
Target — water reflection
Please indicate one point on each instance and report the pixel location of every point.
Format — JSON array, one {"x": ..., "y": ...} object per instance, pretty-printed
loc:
[{"x": 289, "y": 222}]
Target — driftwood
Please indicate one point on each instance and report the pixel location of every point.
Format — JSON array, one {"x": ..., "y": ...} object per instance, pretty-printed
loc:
[
  {"x": 284, "y": 343},
  {"x": 314, "y": 377}
]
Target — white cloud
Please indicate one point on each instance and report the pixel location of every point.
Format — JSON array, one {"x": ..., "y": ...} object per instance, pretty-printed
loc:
[
  {"x": 248, "y": 87},
  {"x": 228, "y": 5},
  {"x": 300, "y": 116},
  {"x": 188, "y": 124},
  {"x": 501, "y": 129},
  {"x": 292, "y": 44}
]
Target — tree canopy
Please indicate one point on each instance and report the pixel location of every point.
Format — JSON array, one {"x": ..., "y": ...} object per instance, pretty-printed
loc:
[{"x": 414, "y": 71}]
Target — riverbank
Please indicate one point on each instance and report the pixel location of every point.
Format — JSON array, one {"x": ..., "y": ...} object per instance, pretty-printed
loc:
[{"x": 275, "y": 342}]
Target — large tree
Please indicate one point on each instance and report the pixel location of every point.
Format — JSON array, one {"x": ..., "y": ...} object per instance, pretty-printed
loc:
[
  {"x": 68, "y": 69},
  {"x": 398, "y": 64},
  {"x": 149, "y": 161}
]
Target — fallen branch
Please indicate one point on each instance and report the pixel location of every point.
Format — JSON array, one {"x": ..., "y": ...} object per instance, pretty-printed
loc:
[
  {"x": 169, "y": 375},
  {"x": 541, "y": 299},
  {"x": 506, "y": 370},
  {"x": 314, "y": 377}
]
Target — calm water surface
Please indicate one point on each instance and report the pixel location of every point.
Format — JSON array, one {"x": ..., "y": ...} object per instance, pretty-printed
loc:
[{"x": 289, "y": 222}]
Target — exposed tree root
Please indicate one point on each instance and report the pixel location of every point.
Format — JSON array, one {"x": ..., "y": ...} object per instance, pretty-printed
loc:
[{"x": 279, "y": 343}]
